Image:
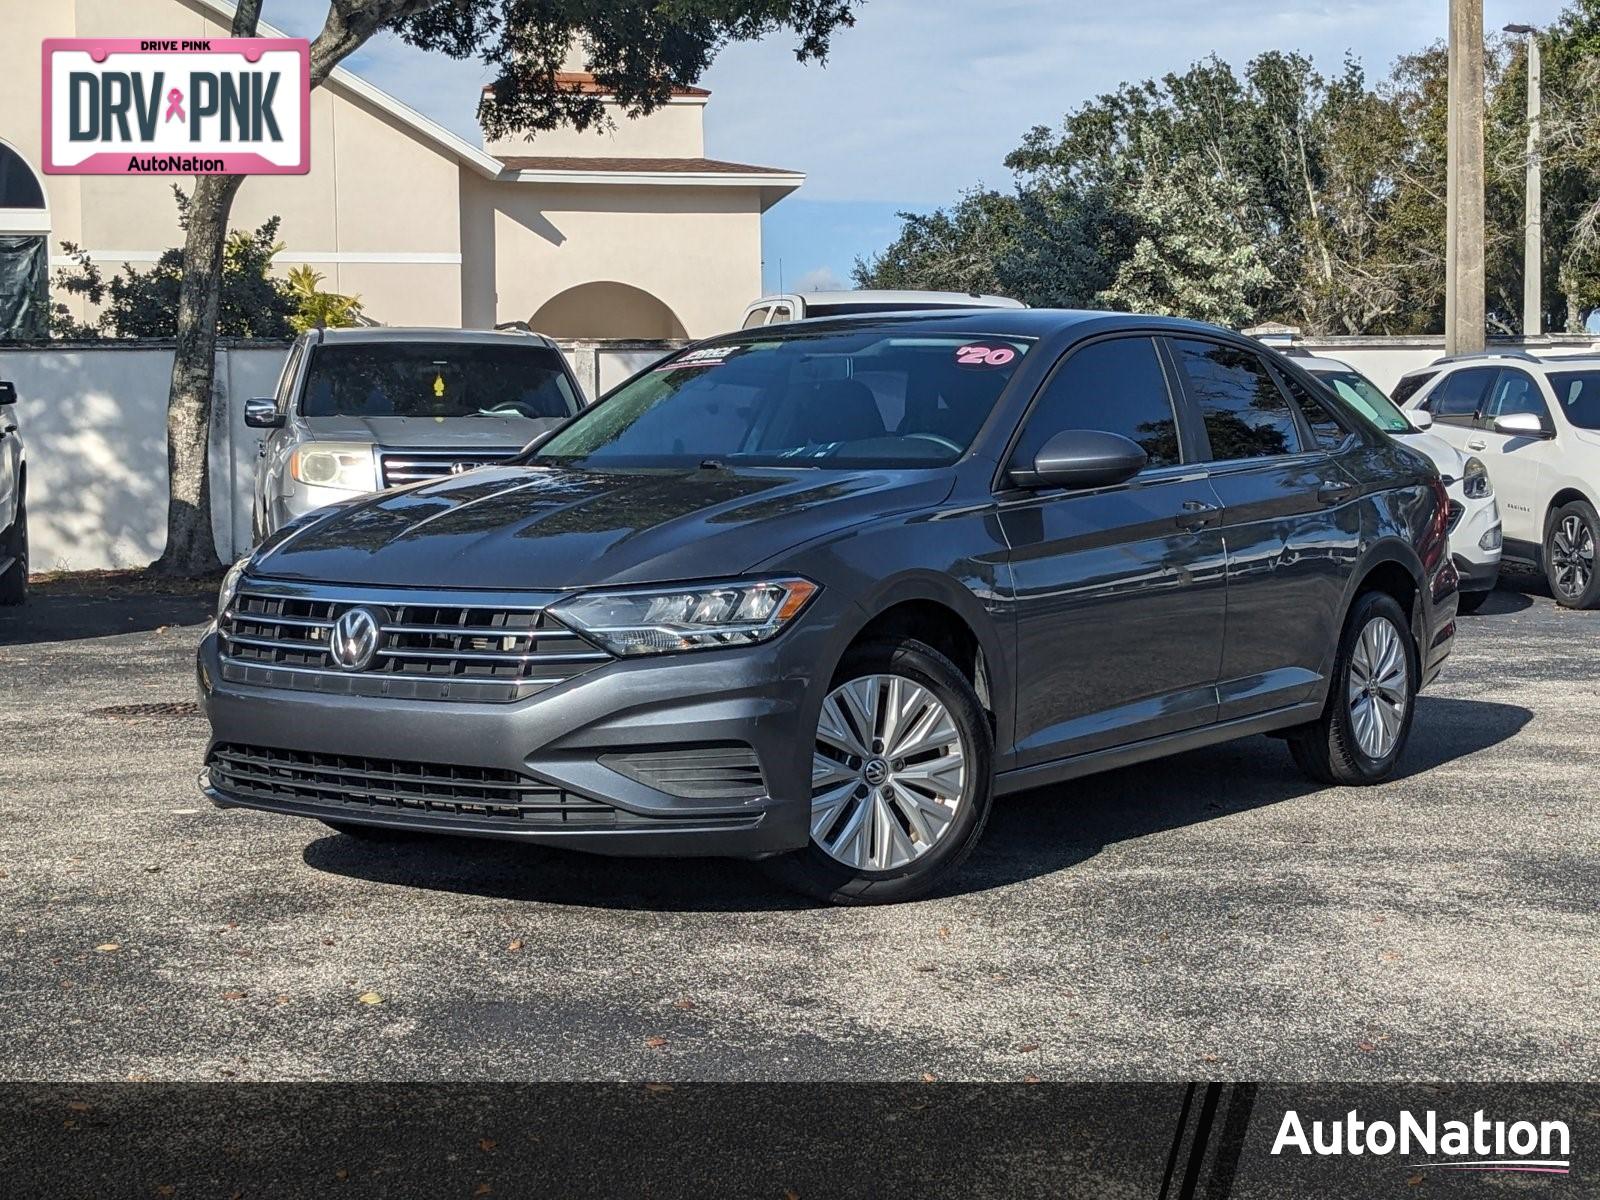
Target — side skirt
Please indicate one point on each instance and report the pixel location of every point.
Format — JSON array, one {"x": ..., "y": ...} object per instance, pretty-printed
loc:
[{"x": 1138, "y": 752}]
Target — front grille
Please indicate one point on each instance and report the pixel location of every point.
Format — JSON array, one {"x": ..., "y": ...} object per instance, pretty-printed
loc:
[
  {"x": 401, "y": 467},
  {"x": 381, "y": 785},
  {"x": 431, "y": 645},
  {"x": 1454, "y": 515}
]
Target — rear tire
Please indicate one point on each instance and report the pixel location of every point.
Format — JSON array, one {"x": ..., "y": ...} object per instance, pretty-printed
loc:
[
  {"x": 1471, "y": 602},
  {"x": 924, "y": 809},
  {"x": 1371, "y": 699},
  {"x": 14, "y": 545},
  {"x": 1569, "y": 546}
]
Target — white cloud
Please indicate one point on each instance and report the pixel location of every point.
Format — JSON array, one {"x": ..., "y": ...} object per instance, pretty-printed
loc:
[{"x": 820, "y": 279}]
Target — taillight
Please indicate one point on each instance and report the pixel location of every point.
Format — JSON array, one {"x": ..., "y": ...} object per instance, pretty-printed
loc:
[{"x": 1436, "y": 539}]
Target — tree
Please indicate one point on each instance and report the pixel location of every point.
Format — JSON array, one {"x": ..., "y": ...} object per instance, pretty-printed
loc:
[
  {"x": 317, "y": 309},
  {"x": 637, "y": 49},
  {"x": 144, "y": 304},
  {"x": 955, "y": 250}
]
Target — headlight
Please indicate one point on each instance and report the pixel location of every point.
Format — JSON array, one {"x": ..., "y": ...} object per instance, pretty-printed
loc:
[
  {"x": 689, "y": 618},
  {"x": 348, "y": 466},
  {"x": 230, "y": 585},
  {"x": 1475, "y": 483}
]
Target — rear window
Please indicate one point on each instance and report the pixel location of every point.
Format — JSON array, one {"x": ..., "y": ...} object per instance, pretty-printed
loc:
[
  {"x": 405, "y": 379},
  {"x": 868, "y": 398},
  {"x": 1411, "y": 385},
  {"x": 1578, "y": 394}
]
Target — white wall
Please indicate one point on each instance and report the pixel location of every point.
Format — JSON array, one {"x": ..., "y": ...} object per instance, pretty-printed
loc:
[{"x": 93, "y": 419}]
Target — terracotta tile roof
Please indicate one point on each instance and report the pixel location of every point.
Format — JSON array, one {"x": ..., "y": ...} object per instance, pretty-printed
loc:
[
  {"x": 638, "y": 166},
  {"x": 584, "y": 81}
]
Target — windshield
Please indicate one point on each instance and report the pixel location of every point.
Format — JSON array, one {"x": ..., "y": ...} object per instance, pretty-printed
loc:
[
  {"x": 1361, "y": 394},
  {"x": 394, "y": 379},
  {"x": 1578, "y": 394},
  {"x": 871, "y": 398}
]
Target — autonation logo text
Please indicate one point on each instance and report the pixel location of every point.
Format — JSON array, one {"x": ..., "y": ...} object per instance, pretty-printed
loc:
[{"x": 1476, "y": 1145}]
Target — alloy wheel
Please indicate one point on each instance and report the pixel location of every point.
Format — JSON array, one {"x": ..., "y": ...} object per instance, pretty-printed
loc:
[
  {"x": 1378, "y": 694},
  {"x": 1572, "y": 549},
  {"x": 888, "y": 774}
]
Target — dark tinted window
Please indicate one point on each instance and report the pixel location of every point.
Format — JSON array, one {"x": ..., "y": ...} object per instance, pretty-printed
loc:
[
  {"x": 1326, "y": 431},
  {"x": 397, "y": 379},
  {"x": 1411, "y": 385},
  {"x": 867, "y": 398},
  {"x": 19, "y": 186},
  {"x": 1459, "y": 395},
  {"x": 1246, "y": 413},
  {"x": 1515, "y": 392},
  {"x": 1578, "y": 394},
  {"x": 1116, "y": 386}
]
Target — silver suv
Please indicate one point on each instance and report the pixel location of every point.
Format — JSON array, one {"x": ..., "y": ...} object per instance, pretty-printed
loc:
[
  {"x": 361, "y": 410},
  {"x": 13, "y": 503}
]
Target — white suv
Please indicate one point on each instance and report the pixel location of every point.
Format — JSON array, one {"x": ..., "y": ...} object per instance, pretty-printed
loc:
[
  {"x": 1536, "y": 424},
  {"x": 1475, "y": 533}
]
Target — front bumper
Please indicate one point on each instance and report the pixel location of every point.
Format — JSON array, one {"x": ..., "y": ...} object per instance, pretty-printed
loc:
[
  {"x": 565, "y": 737},
  {"x": 1479, "y": 568}
]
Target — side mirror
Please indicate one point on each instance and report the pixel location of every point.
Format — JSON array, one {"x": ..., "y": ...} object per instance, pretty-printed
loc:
[
  {"x": 262, "y": 414},
  {"x": 1420, "y": 418},
  {"x": 8, "y": 392},
  {"x": 1523, "y": 424},
  {"x": 1083, "y": 458}
]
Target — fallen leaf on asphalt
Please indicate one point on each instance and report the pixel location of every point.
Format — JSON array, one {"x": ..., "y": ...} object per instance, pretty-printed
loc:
[
  {"x": 927, "y": 1078},
  {"x": 655, "y": 1043},
  {"x": 658, "y": 1088},
  {"x": 166, "y": 1189},
  {"x": 1365, "y": 1047},
  {"x": 483, "y": 1189},
  {"x": 341, "y": 1174},
  {"x": 78, "y": 1106},
  {"x": 685, "y": 1004},
  {"x": 1414, "y": 1181},
  {"x": 790, "y": 1194},
  {"x": 487, "y": 1145},
  {"x": 234, "y": 995},
  {"x": 1028, "y": 1047},
  {"x": 152, "y": 870},
  {"x": 1030, "y": 1079},
  {"x": 514, "y": 945},
  {"x": 1388, "y": 955},
  {"x": 328, "y": 941},
  {"x": 283, "y": 999},
  {"x": 370, "y": 998},
  {"x": 944, "y": 931},
  {"x": 108, "y": 947},
  {"x": 1210, "y": 1058},
  {"x": 926, "y": 968}
]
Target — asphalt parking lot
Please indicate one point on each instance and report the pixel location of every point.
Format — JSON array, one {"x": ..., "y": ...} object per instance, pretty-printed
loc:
[{"x": 1213, "y": 915}]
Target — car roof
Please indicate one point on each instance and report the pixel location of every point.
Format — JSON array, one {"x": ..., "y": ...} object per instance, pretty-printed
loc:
[
  {"x": 419, "y": 333},
  {"x": 1319, "y": 362},
  {"x": 865, "y": 296},
  {"x": 1037, "y": 323}
]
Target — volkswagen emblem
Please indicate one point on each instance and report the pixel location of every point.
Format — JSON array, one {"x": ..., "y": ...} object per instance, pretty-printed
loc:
[{"x": 354, "y": 639}]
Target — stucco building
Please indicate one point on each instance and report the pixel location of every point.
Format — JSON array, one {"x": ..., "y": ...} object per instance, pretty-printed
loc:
[{"x": 632, "y": 233}]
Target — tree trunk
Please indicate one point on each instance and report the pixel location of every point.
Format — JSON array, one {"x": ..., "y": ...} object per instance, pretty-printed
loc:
[
  {"x": 1575, "y": 313},
  {"x": 191, "y": 548}
]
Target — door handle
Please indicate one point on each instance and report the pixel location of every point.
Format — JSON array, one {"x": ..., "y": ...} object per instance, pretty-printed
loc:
[
  {"x": 1198, "y": 514},
  {"x": 1477, "y": 444},
  {"x": 1333, "y": 491}
]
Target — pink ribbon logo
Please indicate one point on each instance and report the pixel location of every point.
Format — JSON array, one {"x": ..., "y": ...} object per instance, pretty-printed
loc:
[{"x": 175, "y": 105}]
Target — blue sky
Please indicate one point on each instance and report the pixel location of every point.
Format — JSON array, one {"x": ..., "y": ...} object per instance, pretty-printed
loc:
[{"x": 924, "y": 98}]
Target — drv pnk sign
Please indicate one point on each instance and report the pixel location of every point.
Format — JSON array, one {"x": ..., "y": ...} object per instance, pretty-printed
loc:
[{"x": 202, "y": 106}]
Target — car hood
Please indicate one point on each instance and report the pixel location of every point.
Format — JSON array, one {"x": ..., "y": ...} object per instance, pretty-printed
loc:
[
  {"x": 453, "y": 433},
  {"x": 1446, "y": 457},
  {"x": 542, "y": 528}
]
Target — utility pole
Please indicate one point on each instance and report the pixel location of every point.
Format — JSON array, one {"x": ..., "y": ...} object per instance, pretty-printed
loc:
[
  {"x": 1533, "y": 200},
  {"x": 1465, "y": 280}
]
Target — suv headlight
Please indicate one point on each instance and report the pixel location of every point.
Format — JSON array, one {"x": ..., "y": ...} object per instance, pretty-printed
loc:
[
  {"x": 1475, "y": 483},
  {"x": 660, "y": 620},
  {"x": 348, "y": 466},
  {"x": 230, "y": 585}
]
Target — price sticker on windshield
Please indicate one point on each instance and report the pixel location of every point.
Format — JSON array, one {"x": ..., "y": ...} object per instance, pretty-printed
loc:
[
  {"x": 985, "y": 356},
  {"x": 709, "y": 356}
]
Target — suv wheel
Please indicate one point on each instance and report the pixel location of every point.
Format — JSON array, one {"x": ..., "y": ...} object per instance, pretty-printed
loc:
[
  {"x": 1363, "y": 729},
  {"x": 1569, "y": 555},
  {"x": 14, "y": 545},
  {"x": 902, "y": 774}
]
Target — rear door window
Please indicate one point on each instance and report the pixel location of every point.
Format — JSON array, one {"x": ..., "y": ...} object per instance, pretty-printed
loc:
[
  {"x": 1459, "y": 395},
  {"x": 1326, "y": 430},
  {"x": 1246, "y": 413}
]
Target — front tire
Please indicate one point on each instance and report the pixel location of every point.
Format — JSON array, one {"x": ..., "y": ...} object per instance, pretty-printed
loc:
[
  {"x": 902, "y": 777},
  {"x": 1569, "y": 545},
  {"x": 1371, "y": 699},
  {"x": 14, "y": 545}
]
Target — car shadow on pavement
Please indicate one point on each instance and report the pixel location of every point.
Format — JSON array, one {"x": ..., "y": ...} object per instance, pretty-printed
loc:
[
  {"x": 1030, "y": 834},
  {"x": 62, "y": 617}
]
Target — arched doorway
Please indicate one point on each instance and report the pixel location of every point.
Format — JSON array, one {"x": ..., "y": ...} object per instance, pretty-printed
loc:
[
  {"x": 24, "y": 249},
  {"x": 607, "y": 310}
]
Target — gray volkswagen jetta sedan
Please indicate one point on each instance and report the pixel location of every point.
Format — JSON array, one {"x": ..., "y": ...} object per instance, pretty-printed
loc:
[{"x": 817, "y": 594}]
